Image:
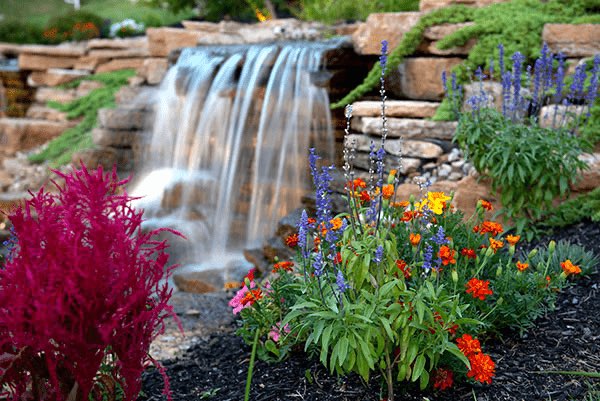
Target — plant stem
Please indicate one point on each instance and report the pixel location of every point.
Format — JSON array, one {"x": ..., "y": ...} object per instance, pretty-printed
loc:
[
  {"x": 389, "y": 379},
  {"x": 251, "y": 367}
]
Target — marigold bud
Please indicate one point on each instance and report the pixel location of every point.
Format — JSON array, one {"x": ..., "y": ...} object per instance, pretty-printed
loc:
[
  {"x": 551, "y": 246},
  {"x": 499, "y": 271},
  {"x": 454, "y": 275},
  {"x": 532, "y": 253},
  {"x": 489, "y": 252}
]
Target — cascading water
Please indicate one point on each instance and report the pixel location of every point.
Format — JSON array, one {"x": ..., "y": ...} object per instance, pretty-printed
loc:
[{"x": 228, "y": 154}]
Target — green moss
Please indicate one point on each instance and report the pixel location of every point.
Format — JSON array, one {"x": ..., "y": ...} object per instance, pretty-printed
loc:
[
  {"x": 60, "y": 150},
  {"x": 517, "y": 25}
]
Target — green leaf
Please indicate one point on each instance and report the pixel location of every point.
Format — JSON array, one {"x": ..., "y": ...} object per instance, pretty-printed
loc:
[
  {"x": 424, "y": 380},
  {"x": 418, "y": 368},
  {"x": 454, "y": 350}
]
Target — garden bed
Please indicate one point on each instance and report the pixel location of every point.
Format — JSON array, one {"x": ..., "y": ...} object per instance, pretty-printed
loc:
[{"x": 566, "y": 339}]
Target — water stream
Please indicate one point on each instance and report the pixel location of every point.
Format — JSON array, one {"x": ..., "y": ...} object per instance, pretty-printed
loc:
[{"x": 228, "y": 152}]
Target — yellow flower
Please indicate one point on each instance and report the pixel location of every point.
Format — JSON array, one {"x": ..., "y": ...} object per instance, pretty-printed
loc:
[
  {"x": 436, "y": 201},
  {"x": 388, "y": 191}
]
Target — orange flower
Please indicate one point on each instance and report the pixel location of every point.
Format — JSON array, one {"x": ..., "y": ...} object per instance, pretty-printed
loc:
[
  {"x": 478, "y": 288},
  {"x": 512, "y": 239},
  {"x": 482, "y": 368},
  {"x": 490, "y": 227},
  {"x": 447, "y": 255},
  {"x": 468, "y": 345},
  {"x": 469, "y": 253},
  {"x": 365, "y": 197},
  {"x": 292, "y": 240},
  {"x": 388, "y": 191},
  {"x": 496, "y": 244},
  {"x": 414, "y": 239},
  {"x": 522, "y": 266},
  {"x": 251, "y": 297},
  {"x": 336, "y": 223},
  {"x": 359, "y": 183},
  {"x": 409, "y": 215},
  {"x": 442, "y": 378},
  {"x": 485, "y": 204},
  {"x": 286, "y": 265},
  {"x": 400, "y": 204},
  {"x": 569, "y": 268},
  {"x": 400, "y": 264},
  {"x": 311, "y": 221}
]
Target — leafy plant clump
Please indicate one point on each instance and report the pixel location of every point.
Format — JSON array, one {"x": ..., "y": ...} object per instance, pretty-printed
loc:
[
  {"x": 83, "y": 293},
  {"x": 60, "y": 150},
  {"x": 16, "y": 31},
  {"x": 585, "y": 206},
  {"x": 76, "y": 25},
  {"x": 517, "y": 24},
  {"x": 328, "y": 11}
]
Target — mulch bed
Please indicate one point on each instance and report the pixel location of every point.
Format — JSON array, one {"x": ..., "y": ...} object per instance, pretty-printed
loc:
[{"x": 566, "y": 339}]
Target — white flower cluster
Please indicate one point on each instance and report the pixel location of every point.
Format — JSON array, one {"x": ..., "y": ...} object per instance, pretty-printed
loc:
[{"x": 127, "y": 24}]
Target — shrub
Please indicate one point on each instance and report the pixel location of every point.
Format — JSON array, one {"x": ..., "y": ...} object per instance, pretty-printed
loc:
[
  {"x": 529, "y": 164},
  {"x": 342, "y": 10},
  {"x": 125, "y": 28},
  {"x": 13, "y": 31},
  {"x": 83, "y": 292},
  {"x": 76, "y": 25}
]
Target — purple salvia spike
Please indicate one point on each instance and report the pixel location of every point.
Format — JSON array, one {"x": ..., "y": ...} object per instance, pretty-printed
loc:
[
  {"x": 537, "y": 81},
  {"x": 517, "y": 59},
  {"x": 501, "y": 59},
  {"x": 593, "y": 88},
  {"x": 506, "y": 85}
]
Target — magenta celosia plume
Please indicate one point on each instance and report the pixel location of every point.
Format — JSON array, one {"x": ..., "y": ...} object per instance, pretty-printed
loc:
[{"x": 82, "y": 282}]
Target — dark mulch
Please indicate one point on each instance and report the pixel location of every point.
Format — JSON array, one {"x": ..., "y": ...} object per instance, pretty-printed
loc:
[{"x": 566, "y": 339}]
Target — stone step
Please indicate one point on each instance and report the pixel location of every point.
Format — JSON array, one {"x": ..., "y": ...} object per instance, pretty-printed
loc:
[
  {"x": 41, "y": 112},
  {"x": 17, "y": 134},
  {"x": 395, "y": 108},
  {"x": 407, "y": 128},
  {"x": 54, "y": 77}
]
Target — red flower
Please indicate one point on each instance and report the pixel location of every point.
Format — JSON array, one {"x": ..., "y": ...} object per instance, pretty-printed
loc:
[
  {"x": 447, "y": 255},
  {"x": 365, "y": 197},
  {"x": 287, "y": 266},
  {"x": 251, "y": 297},
  {"x": 400, "y": 264},
  {"x": 469, "y": 253},
  {"x": 468, "y": 345},
  {"x": 486, "y": 204},
  {"x": 338, "y": 258},
  {"x": 482, "y": 368},
  {"x": 478, "y": 288},
  {"x": 292, "y": 240},
  {"x": 442, "y": 378},
  {"x": 250, "y": 275}
]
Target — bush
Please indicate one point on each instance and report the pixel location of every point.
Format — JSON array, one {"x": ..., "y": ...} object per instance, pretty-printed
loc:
[
  {"x": 12, "y": 31},
  {"x": 76, "y": 25},
  {"x": 83, "y": 292},
  {"x": 329, "y": 11}
]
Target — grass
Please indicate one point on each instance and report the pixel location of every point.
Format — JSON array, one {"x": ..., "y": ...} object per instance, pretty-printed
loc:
[{"x": 39, "y": 12}]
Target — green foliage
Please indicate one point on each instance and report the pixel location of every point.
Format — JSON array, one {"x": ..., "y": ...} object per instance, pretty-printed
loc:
[
  {"x": 573, "y": 211},
  {"x": 76, "y": 25},
  {"x": 517, "y": 24},
  {"x": 528, "y": 164},
  {"x": 60, "y": 150},
  {"x": 16, "y": 31},
  {"x": 331, "y": 11}
]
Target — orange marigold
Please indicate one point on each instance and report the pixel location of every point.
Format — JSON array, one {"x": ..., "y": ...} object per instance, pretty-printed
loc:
[
  {"x": 447, "y": 255},
  {"x": 414, "y": 239},
  {"x": 400, "y": 204},
  {"x": 365, "y": 197},
  {"x": 490, "y": 227},
  {"x": 400, "y": 264},
  {"x": 409, "y": 215},
  {"x": 336, "y": 223},
  {"x": 478, "y": 288},
  {"x": 496, "y": 244},
  {"x": 292, "y": 240},
  {"x": 468, "y": 345},
  {"x": 442, "y": 378},
  {"x": 251, "y": 297},
  {"x": 388, "y": 191},
  {"x": 485, "y": 204},
  {"x": 512, "y": 239},
  {"x": 569, "y": 268},
  {"x": 522, "y": 266},
  {"x": 286, "y": 265},
  {"x": 482, "y": 368},
  {"x": 469, "y": 253}
]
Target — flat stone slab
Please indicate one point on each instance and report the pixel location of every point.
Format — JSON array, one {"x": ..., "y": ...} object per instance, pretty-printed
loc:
[
  {"x": 397, "y": 147},
  {"x": 407, "y": 128},
  {"x": 395, "y": 108},
  {"x": 63, "y": 50},
  {"x": 379, "y": 26},
  {"x": 118, "y": 43},
  {"x": 54, "y": 77},
  {"x": 574, "y": 40}
]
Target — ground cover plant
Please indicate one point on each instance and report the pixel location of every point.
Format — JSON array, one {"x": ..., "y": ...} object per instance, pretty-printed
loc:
[
  {"x": 83, "y": 293},
  {"x": 404, "y": 288},
  {"x": 59, "y": 151}
]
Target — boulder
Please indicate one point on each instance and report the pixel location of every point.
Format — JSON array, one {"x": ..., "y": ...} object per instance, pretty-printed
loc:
[
  {"x": 154, "y": 70},
  {"x": 116, "y": 138},
  {"x": 379, "y": 26},
  {"x": 429, "y": 5},
  {"x": 121, "y": 119},
  {"x": 407, "y": 128},
  {"x": 105, "y": 157},
  {"x": 17, "y": 134},
  {"x": 203, "y": 26},
  {"x": 120, "y": 64},
  {"x": 161, "y": 41},
  {"x": 431, "y": 48},
  {"x": 198, "y": 282},
  {"x": 421, "y": 77},
  {"x": 10, "y": 49},
  {"x": 554, "y": 116},
  {"x": 404, "y": 165},
  {"x": 395, "y": 108},
  {"x": 579, "y": 40},
  {"x": 54, "y": 77},
  {"x": 28, "y": 61},
  {"x": 588, "y": 179}
]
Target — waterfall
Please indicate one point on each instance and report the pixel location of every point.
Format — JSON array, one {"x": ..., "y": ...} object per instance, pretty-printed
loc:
[{"x": 228, "y": 151}]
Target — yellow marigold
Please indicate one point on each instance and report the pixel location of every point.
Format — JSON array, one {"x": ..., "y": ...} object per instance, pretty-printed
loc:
[
  {"x": 569, "y": 268},
  {"x": 522, "y": 266},
  {"x": 512, "y": 239},
  {"x": 414, "y": 239},
  {"x": 388, "y": 191},
  {"x": 436, "y": 201},
  {"x": 496, "y": 244}
]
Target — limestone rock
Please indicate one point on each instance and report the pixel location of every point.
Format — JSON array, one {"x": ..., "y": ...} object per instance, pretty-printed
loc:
[
  {"x": 54, "y": 77},
  {"x": 438, "y": 32},
  {"x": 63, "y": 50},
  {"x": 154, "y": 70},
  {"x": 468, "y": 192},
  {"x": 28, "y": 61},
  {"x": 119, "y": 53},
  {"x": 588, "y": 179},
  {"x": 405, "y": 165},
  {"x": 429, "y": 5},
  {"x": 579, "y": 40},
  {"x": 116, "y": 138},
  {"x": 18, "y": 134},
  {"x": 200, "y": 26},
  {"x": 431, "y": 48},
  {"x": 86, "y": 87},
  {"x": 120, "y": 64},
  {"x": 44, "y": 95},
  {"x": 421, "y": 77},
  {"x": 10, "y": 49},
  {"x": 410, "y": 148},
  {"x": 554, "y": 116},
  {"x": 90, "y": 63},
  {"x": 118, "y": 43},
  {"x": 407, "y": 128},
  {"x": 379, "y": 26},
  {"x": 161, "y": 41},
  {"x": 121, "y": 119},
  {"x": 40, "y": 112},
  {"x": 199, "y": 282},
  {"x": 395, "y": 108},
  {"x": 105, "y": 157}
]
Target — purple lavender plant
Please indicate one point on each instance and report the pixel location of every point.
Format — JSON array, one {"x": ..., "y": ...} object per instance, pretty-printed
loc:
[{"x": 341, "y": 282}]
